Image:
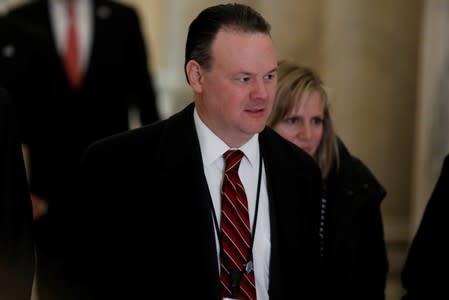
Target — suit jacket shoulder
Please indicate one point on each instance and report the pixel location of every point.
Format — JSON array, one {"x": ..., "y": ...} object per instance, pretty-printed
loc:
[
  {"x": 273, "y": 144},
  {"x": 294, "y": 191},
  {"x": 150, "y": 178},
  {"x": 352, "y": 176}
]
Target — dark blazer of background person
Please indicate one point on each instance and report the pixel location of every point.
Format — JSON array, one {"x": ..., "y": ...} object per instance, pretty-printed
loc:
[
  {"x": 59, "y": 126},
  {"x": 16, "y": 238},
  {"x": 116, "y": 76},
  {"x": 424, "y": 275},
  {"x": 155, "y": 235}
]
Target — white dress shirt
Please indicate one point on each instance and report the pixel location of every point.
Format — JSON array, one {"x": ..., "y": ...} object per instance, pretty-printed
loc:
[{"x": 84, "y": 26}]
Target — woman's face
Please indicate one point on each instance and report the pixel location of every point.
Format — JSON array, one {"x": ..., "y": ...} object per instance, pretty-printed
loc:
[{"x": 303, "y": 125}]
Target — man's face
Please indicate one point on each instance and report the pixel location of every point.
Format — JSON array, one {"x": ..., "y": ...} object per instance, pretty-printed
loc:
[{"x": 237, "y": 93}]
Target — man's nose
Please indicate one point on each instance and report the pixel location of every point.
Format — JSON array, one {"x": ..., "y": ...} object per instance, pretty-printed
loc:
[{"x": 259, "y": 90}]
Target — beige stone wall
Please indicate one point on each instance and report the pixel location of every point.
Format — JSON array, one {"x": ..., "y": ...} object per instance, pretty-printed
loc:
[
  {"x": 432, "y": 117},
  {"x": 370, "y": 60},
  {"x": 367, "y": 53}
]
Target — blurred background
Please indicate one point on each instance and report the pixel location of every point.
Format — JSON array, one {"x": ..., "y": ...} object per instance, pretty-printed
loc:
[{"x": 386, "y": 63}]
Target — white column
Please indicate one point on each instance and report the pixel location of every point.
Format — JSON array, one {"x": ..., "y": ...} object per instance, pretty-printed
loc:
[{"x": 432, "y": 126}]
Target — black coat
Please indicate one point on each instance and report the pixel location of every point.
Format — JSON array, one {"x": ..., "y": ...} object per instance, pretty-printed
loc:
[
  {"x": 424, "y": 275},
  {"x": 146, "y": 213},
  {"x": 16, "y": 236},
  {"x": 354, "y": 251}
]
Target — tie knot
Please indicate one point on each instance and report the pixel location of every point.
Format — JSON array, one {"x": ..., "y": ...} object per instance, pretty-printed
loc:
[
  {"x": 232, "y": 159},
  {"x": 70, "y": 8}
]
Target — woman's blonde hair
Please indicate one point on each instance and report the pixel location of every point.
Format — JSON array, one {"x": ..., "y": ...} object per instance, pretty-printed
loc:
[{"x": 293, "y": 82}]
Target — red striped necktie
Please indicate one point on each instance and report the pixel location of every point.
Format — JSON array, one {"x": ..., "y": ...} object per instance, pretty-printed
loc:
[
  {"x": 236, "y": 275},
  {"x": 71, "y": 54}
]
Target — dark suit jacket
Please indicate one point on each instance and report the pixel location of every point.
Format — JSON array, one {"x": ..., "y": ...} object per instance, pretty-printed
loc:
[
  {"x": 69, "y": 120},
  {"x": 16, "y": 238},
  {"x": 424, "y": 275},
  {"x": 147, "y": 216}
]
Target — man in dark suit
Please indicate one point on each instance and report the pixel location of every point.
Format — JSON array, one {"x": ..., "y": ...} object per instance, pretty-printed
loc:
[
  {"x": 153, "y": 223},
  {"x": 113, "y": 75},
  {"x": 423, "y": 276},
  {"x": 16, "y": 238}
]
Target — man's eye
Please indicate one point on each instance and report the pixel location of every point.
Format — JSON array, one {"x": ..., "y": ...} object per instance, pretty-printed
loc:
[
  {"x": 244, "y": 79},
  {"x": 269, "y": 76}
]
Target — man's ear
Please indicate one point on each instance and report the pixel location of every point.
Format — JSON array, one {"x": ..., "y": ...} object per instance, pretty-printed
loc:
[{"x": 194, "y": 74}]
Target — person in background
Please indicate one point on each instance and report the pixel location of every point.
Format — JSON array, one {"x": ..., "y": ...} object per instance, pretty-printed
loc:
[
  {"x": 422, "y": 276},
  {"x": 353, "y": 250},
  {"x": 16, "y": 234},
  {"x": 155, "y": 193},
  {"x": 97, "y": 69}
]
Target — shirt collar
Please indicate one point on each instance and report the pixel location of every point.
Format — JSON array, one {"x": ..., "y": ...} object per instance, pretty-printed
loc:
[{"x": 212, "y": 147}]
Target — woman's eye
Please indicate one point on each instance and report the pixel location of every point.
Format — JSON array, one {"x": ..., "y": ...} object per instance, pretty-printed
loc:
[
  {"x": 317, "y": 121},
  {"x": 291, "y": 120}
]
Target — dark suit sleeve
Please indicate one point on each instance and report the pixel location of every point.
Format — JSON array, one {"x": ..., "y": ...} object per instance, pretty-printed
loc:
[
  {"x": 423, "y": 276},
  {"x": 16, "y": 244},
  {"x": 142, "y": 88}
]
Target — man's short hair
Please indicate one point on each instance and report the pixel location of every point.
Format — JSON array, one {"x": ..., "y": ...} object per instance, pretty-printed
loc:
[{"x": 205, "y": 26}]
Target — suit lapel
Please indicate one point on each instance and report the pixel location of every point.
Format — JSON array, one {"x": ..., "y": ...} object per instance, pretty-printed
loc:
[
  {"x": 183, "y": 161},
  {"x": 43, "y": 11},
  {"x": 274, "y": 288},
  {"x": 101, "y": 13},
  {"x": 42, "y": 14}
]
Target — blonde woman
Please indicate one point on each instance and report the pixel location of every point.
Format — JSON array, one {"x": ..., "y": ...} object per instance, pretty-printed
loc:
[{"x": 353, "y": 249}]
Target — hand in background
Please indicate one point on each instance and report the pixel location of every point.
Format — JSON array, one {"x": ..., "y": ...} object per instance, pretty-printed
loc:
[{"x": 40, "y": 206}]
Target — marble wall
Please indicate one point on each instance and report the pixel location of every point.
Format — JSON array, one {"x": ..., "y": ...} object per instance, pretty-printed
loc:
[{"x": 432, "y": 114}]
